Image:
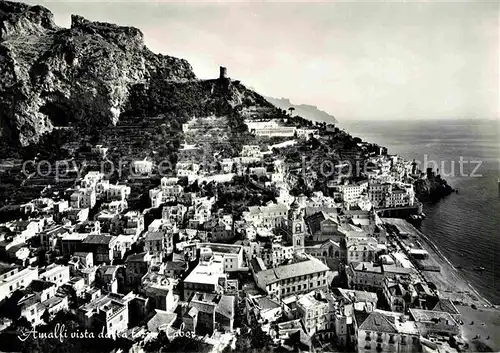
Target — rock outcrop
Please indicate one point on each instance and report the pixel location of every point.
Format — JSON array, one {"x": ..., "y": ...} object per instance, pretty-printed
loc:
[
  {"x": 432, "y": 189},
  {"x": 52, "y": 76}
]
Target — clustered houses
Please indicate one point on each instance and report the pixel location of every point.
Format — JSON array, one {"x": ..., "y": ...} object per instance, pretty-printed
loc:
[
  {"x": 189, "y": 264},
  {"x": 387, "y": 184}
]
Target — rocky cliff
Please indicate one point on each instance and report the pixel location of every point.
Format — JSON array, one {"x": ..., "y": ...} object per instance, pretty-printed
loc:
[
  {"x": 306, "y": 111},
  {"x": 432, "y": 189},
  {"x": 52, "y": 76}
]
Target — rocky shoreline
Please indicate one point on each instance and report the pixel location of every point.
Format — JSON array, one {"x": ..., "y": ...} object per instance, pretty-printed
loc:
[{"x": 432, "y": 189}]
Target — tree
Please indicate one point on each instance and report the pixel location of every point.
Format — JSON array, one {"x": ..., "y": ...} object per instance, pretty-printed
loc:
[
  {"x": 46, "y": 317},
  {"x": 155, "y": 345},
  {"x": 234, "y": 168},
  {"x": 175, "y": 125},
  {"x": 291, "y": 110}
]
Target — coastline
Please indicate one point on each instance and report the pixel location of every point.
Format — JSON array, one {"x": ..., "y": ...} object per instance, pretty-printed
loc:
[{"x": 449, "y": 281}]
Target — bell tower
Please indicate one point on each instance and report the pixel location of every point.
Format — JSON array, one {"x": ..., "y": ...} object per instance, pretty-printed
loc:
[{"x": 296, "y": 226}]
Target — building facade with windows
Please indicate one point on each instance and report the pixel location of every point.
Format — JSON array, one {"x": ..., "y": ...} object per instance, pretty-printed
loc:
[{"x": 296, "y": 278}]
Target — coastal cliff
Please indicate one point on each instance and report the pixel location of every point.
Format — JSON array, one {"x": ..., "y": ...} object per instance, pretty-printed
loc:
[
  {"x": 432, "y": 189},
  {"x": 52, "y": 76}
]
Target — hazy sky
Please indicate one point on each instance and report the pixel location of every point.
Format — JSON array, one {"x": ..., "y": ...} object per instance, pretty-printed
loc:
[{"x": 354, "y": 60}]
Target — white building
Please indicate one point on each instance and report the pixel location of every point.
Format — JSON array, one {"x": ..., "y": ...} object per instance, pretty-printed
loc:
[
  {"x": 316, "y": 310},
  {"x": 83, "y": 198},
  {"x": 91, "y": 179},
  {"x": 142, "y": 167},
  {"x": 269, "y": 128},
  {"x": 110, "y": 311},
  {"x": 57, "y": 274},
  {"x": 307, "y": 133},
  {"x": 156, "y": 197},
  {"x": 12, "y": 279},
  {"x": 377, "y": 192},
  {"x": 292, "y": 279},
  {"x": 400, "y": 195},
  {"x": 208, "y": 276},
  {"x": 251, "y": 151},
  {"x": 270, "y": 216},
  {"x": 231, "y": 256},
  {"x": 352, "y": 192}
]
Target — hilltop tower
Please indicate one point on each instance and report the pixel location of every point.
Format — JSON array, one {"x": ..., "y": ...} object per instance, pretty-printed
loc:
[
  {"x": 224, "y": 82},
  {"x": 222, "y": 73}
]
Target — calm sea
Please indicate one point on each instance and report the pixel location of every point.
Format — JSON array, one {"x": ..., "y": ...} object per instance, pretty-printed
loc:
[{"x": 465, "y": 226}]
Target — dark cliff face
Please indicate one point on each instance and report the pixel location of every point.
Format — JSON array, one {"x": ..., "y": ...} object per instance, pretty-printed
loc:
[
  {"x": 51, "y": 76},
  {"x": 18, "y": 18},
  {"x": 432, "y": 189}
]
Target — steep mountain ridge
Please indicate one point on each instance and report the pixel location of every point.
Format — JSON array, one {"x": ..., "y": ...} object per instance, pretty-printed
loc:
[
  {"x": 22, "y": 19},
  {"x": 306, "y": 111},
  {"x": 51, "y": 76}
]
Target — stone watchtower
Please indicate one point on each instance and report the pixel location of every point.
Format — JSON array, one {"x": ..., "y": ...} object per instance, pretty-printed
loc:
[
  {"x": 223, "y": 73},
  {"x": 223, "y": 82}
]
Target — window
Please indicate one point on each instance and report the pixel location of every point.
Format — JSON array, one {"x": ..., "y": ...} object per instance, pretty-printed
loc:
[
  {"x": 403, "y": 340},
  {"x": 32, "y": 312}
]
